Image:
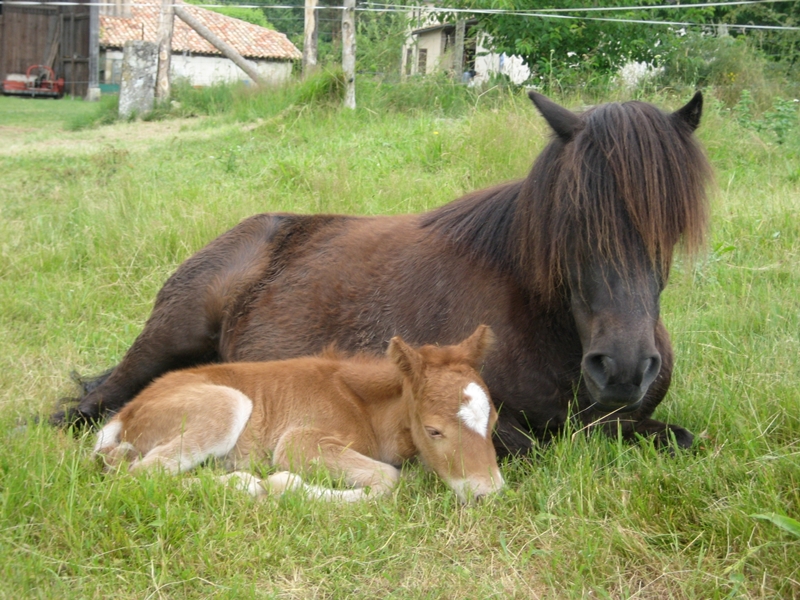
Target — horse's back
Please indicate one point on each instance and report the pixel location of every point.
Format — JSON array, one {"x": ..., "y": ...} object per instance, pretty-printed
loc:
[{"x": 358, "y": 282}]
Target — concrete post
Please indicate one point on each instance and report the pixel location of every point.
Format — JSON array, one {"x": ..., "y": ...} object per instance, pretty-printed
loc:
[{"x": 139, "y": 67}]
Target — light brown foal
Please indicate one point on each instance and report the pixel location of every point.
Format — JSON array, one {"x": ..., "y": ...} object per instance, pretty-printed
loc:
[{"x": 359, "y": 416}]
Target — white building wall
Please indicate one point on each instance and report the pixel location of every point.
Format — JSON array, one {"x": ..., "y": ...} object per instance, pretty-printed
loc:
[
  {"x": 433, "y": 42},
  {"x": 207, "y": 70},
  {"x": 487, "y": 63}
]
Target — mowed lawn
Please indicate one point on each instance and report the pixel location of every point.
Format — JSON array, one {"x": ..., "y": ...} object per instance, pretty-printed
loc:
[{"x": 91, "y": 224}]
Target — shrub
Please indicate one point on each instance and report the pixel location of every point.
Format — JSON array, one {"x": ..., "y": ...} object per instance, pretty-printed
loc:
[{"x": 727, "y": 64}]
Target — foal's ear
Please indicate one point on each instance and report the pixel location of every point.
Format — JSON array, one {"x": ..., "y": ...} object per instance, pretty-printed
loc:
[
  {"x": 477, "y": 346},
  {"x": 563, "y": 121},
  {"x": 690, "y": 114},
  {"x": 408, "y": 360}
]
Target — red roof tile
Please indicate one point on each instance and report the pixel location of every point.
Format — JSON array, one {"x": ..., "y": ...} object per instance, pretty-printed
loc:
[{"x": 249, "y": 40}]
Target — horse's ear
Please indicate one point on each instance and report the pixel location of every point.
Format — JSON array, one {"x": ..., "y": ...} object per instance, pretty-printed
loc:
[
  {"x": 690, "y": 114},
  {"x": 477, "y": 346},
  {"x": 408, "y": 360},
  {"x": 563, "y": 121}
]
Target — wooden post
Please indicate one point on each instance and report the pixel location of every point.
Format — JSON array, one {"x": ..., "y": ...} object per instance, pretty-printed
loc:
[
  {"x": 165, "y": 26},
  {"x": 349, "y": 52},
  {"x": 310, "y": 37},
  {"x": 458, "y": 50},
  {"x": 227, "y": 50}
]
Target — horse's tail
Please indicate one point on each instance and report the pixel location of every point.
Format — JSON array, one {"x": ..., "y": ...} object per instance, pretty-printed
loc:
[{"x": 67, "y": 413}]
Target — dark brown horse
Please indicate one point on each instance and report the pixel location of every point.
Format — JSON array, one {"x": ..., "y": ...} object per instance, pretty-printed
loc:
[{"x": 567, "y": 267}]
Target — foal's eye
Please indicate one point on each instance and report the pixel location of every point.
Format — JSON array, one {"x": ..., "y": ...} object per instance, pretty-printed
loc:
[{"x": 433, "y": 432}]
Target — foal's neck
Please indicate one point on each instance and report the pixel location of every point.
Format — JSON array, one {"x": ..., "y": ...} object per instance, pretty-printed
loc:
[
  {"x": 381, "y": 391},
  {"x": 392, "y": 426}
]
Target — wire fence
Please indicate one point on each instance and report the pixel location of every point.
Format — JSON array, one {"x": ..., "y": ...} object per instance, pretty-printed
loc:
[{"x": 544, "y": 13}]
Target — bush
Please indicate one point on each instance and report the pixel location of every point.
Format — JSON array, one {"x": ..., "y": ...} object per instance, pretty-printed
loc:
[
  {"x": 780, "y": 121},
  {"x": 727, "y": 64}
]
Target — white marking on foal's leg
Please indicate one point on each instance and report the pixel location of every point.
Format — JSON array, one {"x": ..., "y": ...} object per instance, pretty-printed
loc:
[
  {"x": 475, "y": 410},
  {"x": 285, "y": 481},
  {"x": 322, "y": 493},
  {"x": 108, "y": 436},
  {"x": 241, "y": 409}
]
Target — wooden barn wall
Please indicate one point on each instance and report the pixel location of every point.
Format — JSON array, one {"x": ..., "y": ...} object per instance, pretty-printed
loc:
[
  {"x": 58, "y": 37},
  {"x": 73, "y": 64}
]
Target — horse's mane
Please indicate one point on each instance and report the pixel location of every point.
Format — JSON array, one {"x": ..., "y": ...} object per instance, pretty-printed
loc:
[
  {"x": 481, "y": 222},
  {"x": 631, "y": 182}
]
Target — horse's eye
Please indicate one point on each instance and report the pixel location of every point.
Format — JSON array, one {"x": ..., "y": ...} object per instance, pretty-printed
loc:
[{"x": 433, "y": 432}]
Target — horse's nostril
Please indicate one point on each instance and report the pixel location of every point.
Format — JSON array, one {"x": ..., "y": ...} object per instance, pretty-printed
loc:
[
  {"x": 599, "y": 368},
  {"x": 651, "y": 369}
]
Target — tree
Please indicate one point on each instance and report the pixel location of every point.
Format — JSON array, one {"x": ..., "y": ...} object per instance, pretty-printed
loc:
[{"x": 565, "y": 46}]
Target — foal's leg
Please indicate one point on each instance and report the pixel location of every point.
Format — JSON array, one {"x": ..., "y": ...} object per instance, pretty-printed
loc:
[
  {"x": 299, "y": 447},
  {"x": 255, "y": 486},
  {"x": 210, "y": 425}
]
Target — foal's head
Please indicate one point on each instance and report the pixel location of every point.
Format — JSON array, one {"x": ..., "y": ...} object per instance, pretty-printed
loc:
[{"x": 451, "y": 413}]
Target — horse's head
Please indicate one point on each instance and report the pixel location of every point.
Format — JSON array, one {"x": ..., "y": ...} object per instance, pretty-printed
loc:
[
  {"x": 623, "y": 184},
  {"x": 451, "y": 413}
]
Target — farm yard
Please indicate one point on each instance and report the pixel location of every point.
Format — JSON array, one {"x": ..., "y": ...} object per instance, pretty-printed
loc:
[{"x": 93, "y": 219}]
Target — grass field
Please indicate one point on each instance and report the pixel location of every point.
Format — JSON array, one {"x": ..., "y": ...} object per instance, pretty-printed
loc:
[{"x": 93, "y": 221}]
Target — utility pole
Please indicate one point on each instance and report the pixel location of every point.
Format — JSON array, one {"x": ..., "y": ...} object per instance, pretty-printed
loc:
[
  {"x": 310, "y": 37},
  {"x": 93, "y": 90},
  {"x": 165, "y": 27},
  {"x": 349, "y": 52}
]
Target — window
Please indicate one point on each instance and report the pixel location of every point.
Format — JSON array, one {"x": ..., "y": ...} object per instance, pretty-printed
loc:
[{"x": 422, "y": 62}]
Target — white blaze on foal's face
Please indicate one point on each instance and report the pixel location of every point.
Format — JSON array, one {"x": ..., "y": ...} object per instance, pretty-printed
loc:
[{"x": 475, "y": 409}]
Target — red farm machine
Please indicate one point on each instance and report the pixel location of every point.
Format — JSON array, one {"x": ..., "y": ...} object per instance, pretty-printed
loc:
[{"x": 39, "y": 81}]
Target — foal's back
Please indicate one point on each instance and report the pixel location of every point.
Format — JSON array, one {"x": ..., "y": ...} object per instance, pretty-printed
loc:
[{"x": 326, "y": 390}]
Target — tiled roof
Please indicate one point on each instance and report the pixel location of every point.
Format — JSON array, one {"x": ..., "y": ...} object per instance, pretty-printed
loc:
[{"x": 249, "y": 40}]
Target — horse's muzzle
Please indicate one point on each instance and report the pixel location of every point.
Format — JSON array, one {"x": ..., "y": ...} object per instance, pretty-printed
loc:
[{"x": 616, "y": 385}]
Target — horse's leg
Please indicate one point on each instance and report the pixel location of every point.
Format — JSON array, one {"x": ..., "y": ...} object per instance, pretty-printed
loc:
[
  {"x": 641, "y": 424},
  {"x": 184, "y": 328},
  {"x": 662, "y": 433},
  {"x": 299, "y": 447}
]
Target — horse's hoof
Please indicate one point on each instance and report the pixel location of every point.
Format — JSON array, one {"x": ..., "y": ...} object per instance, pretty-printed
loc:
[
  {"x": 72, "y": 417},
  {"x": 674, "y": 435}
]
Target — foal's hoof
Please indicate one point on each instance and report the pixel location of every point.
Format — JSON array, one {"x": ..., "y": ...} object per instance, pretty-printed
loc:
[
  {"x": 244, "y": 482},
  {"x": 281, "y": 482}
]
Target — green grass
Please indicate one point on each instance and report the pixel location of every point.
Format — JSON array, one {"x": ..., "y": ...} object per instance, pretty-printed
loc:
[{"x": 93, "y": 221}]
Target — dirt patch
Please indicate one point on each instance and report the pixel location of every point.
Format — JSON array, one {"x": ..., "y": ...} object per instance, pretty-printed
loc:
[{"x": 131, "y": 136}]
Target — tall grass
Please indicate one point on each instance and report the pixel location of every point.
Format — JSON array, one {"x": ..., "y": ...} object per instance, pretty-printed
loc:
[{"x": 92, "y": 223}]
